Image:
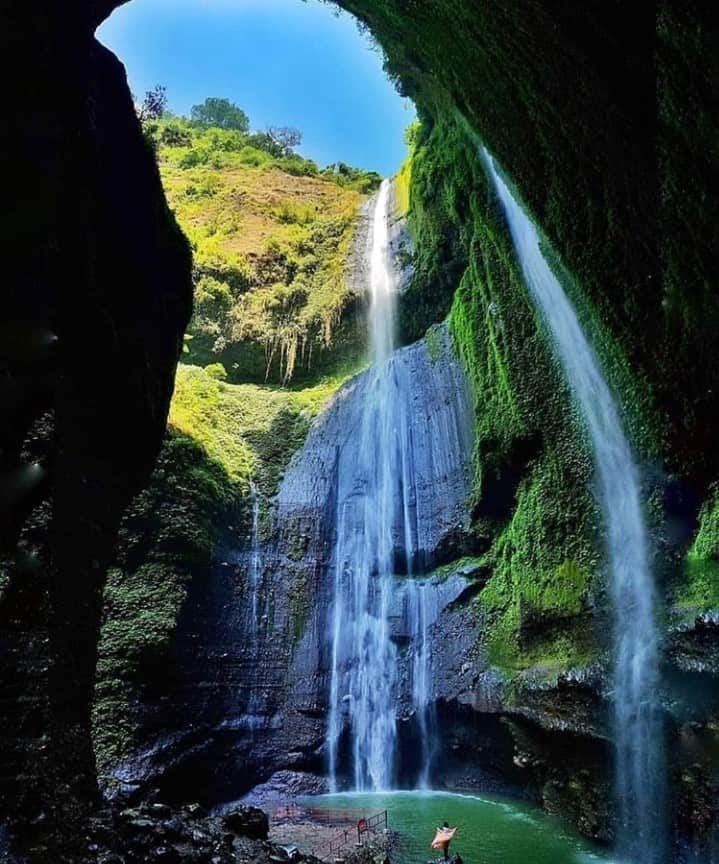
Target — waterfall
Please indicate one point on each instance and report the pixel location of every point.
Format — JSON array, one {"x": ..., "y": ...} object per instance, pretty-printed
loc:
[
  {"x": 637, "y": 725},
  {"x": 401, "y": 477},
  {"x": 254, "y": 564},
  {"x": 423, "y": 608},
  {"x": 364, "y": 550}
]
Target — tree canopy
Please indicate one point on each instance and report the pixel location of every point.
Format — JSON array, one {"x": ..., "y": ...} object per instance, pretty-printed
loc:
[{"x": 220, "y": 113}]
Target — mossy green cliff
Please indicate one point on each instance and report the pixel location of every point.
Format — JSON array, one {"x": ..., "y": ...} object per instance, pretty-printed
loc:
[{"x": 534, "y": 512}]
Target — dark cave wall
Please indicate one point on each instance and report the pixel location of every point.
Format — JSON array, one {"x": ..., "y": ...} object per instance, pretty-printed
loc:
[
  {"x": 603, "y": 114},
  {"x": 97, "y": 296}
]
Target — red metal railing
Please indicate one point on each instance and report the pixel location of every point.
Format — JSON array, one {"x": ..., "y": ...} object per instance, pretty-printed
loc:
[{"x": 357, "y": 834}]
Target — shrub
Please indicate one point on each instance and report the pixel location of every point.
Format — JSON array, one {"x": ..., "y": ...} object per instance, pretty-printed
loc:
[
  {"x": 293, "y": 213},
  {"x": 194, "y": 157},
  {"x": 298, "y": 166},
  {"x": 175, "y": 135},
  {"x": 216, "y": 371},
  {"x": 208, "y": 186},
  {"x": 253, "y": 157}
]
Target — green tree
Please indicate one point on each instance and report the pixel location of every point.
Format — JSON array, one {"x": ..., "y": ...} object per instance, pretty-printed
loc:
[
  {"x": 221, "y": 113},
  {"x": 175, "y": 135}
]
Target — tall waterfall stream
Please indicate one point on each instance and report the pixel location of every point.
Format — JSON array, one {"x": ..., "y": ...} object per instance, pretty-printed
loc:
[
  {"x": 412, "y": 433},
  {"x": 637, "y": 726},
  {"x": 364, "y": 551}
]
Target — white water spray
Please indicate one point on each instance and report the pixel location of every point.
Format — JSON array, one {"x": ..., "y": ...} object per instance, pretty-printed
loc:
[{"x": 636, "y": 674}]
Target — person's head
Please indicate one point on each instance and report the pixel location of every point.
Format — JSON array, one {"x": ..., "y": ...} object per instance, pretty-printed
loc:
[{"x": 445, "y": 824}]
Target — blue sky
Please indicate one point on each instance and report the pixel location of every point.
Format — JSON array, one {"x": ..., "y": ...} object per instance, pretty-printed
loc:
[{"x": 285, "y": 62}]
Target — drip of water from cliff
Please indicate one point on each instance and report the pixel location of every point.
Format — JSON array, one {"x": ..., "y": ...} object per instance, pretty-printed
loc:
[
  {"x": 254, "y": 563},
  {"x": 423, "y": 609},
  {"x": 637, "y": 725}
]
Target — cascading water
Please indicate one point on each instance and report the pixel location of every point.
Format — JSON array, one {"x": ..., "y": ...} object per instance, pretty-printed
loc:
[
  {"x": 364, "y": 551},
  {"x": 636, "y": 673},
  {"x": 423, "y": 608},
  {"x": 409, "y": 441},
  {"x": 254, "y": 564}
]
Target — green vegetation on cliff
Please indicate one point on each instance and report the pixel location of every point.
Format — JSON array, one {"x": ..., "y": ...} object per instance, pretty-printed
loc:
[
  {"x": 271, "y": 235},
  {"x": 699, "y": 588},
  {"x": 534, "y": 511},
  {"x": 250, "y": 430},
  {"x": 168, "y": 534}
]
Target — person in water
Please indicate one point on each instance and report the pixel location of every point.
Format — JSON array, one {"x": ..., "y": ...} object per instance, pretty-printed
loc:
[{"x": 442, "y": 838}]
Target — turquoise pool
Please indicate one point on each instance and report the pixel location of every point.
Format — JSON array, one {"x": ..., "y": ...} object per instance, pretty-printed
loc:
[{"x": 491, "y": 830}]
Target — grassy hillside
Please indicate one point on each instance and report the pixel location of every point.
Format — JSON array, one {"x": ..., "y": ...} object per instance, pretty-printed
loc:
[{"x": 270, "y": 233}]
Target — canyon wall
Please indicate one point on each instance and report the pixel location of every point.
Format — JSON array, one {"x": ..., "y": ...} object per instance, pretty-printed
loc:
[{"x": 604, "y": 119}]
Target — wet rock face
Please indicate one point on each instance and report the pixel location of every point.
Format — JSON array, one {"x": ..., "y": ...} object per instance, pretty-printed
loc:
[
  {"x": 694, "y": 645},
  {"x": 254, "y": 671},
  {"x": 696, "y": 781},
  {"x": 436, "y": 411},
  {"x": 284, "y": 785},
  {"x": 322, "y": 479}
]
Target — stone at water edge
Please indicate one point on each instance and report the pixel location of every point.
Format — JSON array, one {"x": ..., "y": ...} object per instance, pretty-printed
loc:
[{"x": 248, "y": 821}]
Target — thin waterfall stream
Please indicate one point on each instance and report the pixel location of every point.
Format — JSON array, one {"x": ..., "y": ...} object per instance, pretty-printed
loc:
[
  {"x": 423, "y": 609},
  {"x": 637, "y": 725},
  {"x": 255, "y": 562}
]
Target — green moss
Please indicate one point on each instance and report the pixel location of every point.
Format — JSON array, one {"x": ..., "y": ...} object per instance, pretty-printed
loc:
[
  {"x": 699, "y": 588},
  {"x": 439, "y": 195},
  {"x": 543, "y": 566},
  {"x": 466, "y": 564},
  {"x": 168, "y": 534},
  {"x": 313, "y": 397},
  {"x": 300, "y": 604},
  {"x": 402, "y": 183},
  {"x": 434, "y": 343}
]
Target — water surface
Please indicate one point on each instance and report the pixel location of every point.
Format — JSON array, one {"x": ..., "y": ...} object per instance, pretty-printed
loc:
[{"x": 491, "y": 830}]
